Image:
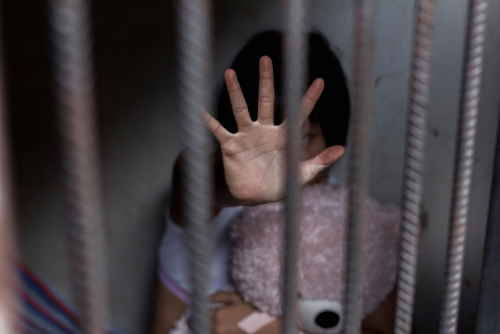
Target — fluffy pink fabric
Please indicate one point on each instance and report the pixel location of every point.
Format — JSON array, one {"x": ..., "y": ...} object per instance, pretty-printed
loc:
[{"x": 258, "y": 241}]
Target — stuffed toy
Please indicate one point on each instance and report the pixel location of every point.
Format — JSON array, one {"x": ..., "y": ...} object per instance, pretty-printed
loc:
[{"x": 257, "y": 259}]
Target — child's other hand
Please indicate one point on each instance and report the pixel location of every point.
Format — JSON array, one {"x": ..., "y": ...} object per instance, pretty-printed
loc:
[
  {"x": 254, "y": 158},
  {"x": 226, "y": 318}
]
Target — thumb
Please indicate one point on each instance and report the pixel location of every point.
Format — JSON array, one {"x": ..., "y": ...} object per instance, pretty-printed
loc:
[{"x": 310, "y": 168}]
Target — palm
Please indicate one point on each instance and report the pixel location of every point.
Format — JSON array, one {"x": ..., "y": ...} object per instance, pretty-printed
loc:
[
  {"x": 255, "y": 157},
  {"x": 254, "y": 163}
]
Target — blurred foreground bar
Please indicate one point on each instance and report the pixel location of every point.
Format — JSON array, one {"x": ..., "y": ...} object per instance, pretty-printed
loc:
[
  {"x": 489, "y": 296},
  {"x": 75, "y": 94},
  {"x": 359, "y": 160},
  {"x": 295, "y": 73},
  {"x": 414, "y": 163},
  {"x": 195, "y": 60},
  {"x": 469, "y": 108},
  {"x": 8, "y": 302}
]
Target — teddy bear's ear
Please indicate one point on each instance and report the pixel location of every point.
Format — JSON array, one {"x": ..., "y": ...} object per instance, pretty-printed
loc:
[{"x": 320, "y": 316}]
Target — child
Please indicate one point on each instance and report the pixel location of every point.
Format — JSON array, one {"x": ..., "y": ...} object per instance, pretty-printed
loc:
[{"x": 250, "y": 169}]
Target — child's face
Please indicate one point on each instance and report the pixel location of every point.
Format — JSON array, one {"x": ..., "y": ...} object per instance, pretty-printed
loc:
[
  {"x": 312, "y": 140},
  {"x": 313, "y": 143}
]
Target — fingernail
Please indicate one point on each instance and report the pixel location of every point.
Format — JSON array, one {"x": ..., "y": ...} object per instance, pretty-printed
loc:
[{"x": 230, "y": 74}]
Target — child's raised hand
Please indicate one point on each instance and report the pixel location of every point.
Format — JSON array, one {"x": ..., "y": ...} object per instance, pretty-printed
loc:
[{"x": 254, "y": 158}]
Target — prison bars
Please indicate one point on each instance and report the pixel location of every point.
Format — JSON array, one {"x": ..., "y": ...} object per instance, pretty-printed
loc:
[
  {"x": 71, "y": 38},
  {"x": 77, "y": 115},
  {"x": 414, "y": 164},
  {"x": 8, "y": 304},
  {"x": 468, "y": 115},
  {"x": 295, "y": 71},
  {"x": 194, "y": 46},
  {"x": 359, "y": 160},
  {"x": 489, "y": 298},
  {"x": 195, "y": 54}
]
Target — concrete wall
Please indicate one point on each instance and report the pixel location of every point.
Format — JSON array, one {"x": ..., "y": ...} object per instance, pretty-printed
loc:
[{"x": 139, "y": 131}]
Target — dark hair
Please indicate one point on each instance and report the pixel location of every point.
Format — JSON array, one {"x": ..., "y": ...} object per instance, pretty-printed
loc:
[{"x": 331, "y": 110}]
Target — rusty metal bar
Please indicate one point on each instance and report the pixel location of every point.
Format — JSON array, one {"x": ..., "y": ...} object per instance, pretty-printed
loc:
[
  {"x": 8, "y": 277},
  {"x": 414, "y": 163},
  {"x": 75, "y": 93},
  {"x": 359, "y": 160},
  {"x": 195, "y": 59},
  {"x": 295, "y": 71},
  {"x": 464, "y": 160}
]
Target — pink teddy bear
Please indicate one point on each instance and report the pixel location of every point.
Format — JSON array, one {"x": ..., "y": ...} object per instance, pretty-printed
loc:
[{"x": 257, "y": 258}]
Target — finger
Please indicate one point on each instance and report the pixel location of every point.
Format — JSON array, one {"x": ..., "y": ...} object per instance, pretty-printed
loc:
[
  {"x": 266, "y": 92},
  {"x": 222, "y": 135},
  {"x": 226, "y": 297},
  {"x": 240, "y": 108},
  {"x": 308, "y": 101},
  {"x": 310, "y": 98},
  {"x": 310, "y": 168}
]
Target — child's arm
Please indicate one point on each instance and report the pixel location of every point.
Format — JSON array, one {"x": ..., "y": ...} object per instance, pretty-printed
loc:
[
  {"x": 222, "y": 196},
  {"x": 168, "y": 309}
]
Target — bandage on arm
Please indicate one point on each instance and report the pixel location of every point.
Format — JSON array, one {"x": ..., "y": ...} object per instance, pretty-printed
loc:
[{"x": 254, "y": 322}]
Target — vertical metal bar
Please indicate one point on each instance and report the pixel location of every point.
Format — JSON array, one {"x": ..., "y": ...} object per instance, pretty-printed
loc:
[
  {"x": 75, "y": 92},
  {"x": 364, "y": 28},
  {"x": 195, "y": 58},
  {"x": 8, "y": 303},
  {"x": 489, "y": 298},
  {"x": 295, "y": 60},
  {"x": 414, "y": 163},
  {"x": 469, "y": 108}
]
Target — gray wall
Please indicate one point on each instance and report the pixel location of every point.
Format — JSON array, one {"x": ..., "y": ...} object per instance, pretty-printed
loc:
[
  {"x": 139, "y": 131},
  {"x": 391, "y": 80}
]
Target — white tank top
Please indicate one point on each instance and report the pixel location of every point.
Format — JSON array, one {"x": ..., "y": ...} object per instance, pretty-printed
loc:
[
  {"x": 173, "y": 254},
  {"x": 174, "y": 258}
]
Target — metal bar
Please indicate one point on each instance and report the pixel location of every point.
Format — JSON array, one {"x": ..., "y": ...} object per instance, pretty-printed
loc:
[
  {"x": 489, "y": 299},
  {"x": 8, "y": 277},
  {"x": 195, "y": 58},
  {"x": 295, "y": 71},
  {"x": 364, "y": 28},
  {"x": 414, "y": 164},
  {"x": 75, "y": 93},
  {"x": 469, "y": 108}
]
